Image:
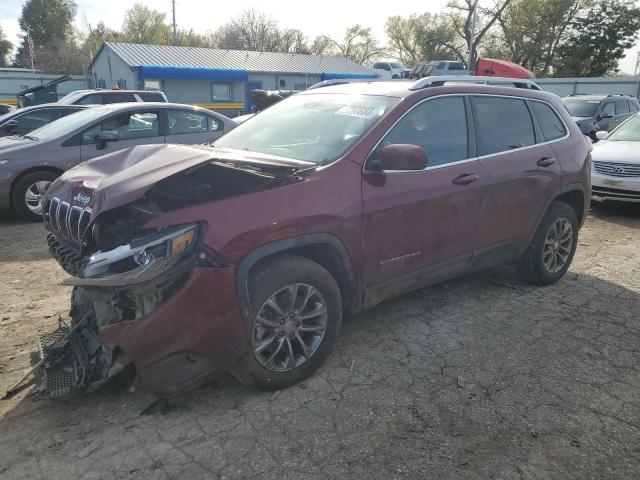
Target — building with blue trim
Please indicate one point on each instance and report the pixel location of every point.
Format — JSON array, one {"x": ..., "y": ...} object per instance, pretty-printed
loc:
[{"x": 214, "y": 78}]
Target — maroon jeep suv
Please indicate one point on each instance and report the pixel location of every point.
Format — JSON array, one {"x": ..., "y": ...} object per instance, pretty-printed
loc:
[{"x": 243, "y": 256}]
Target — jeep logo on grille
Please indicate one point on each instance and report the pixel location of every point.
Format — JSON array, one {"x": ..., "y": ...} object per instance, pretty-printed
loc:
[{"x": 82, "y": 198}]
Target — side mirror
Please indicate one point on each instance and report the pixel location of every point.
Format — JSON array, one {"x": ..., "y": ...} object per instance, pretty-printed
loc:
[
  {"x": 104, "y": 137},
  {"x": 399, "y": 156},
  {"x": 602, "y": 135},
  {"x": 11, "y": 126}
]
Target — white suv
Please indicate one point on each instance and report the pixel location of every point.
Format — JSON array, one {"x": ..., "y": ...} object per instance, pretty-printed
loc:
[{"x": 390, "y": 70}]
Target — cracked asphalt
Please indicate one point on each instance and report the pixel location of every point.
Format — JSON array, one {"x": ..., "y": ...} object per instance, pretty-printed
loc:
[{"x": 483, "y": 377}]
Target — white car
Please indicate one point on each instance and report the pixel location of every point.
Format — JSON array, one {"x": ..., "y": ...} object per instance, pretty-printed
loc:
[
  {"x": 390, "y": 70},
  {"x": 615, "y": 174}
]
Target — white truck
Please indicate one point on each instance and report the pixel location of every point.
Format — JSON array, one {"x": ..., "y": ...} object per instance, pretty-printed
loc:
[{"x": 390, "y": 70}]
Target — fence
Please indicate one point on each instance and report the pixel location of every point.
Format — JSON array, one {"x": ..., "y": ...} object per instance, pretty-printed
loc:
[{"x": 570, "y": 86}]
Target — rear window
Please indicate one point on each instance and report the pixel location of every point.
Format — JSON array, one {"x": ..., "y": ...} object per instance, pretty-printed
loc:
[
  {"x": 581, "y": 108},
  {"x": 551, "y": 125},
  {"x": 502, "y": 124}
]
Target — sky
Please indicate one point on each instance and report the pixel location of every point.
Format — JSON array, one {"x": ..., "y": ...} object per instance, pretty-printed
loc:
[{"x": 328, "y": 17}]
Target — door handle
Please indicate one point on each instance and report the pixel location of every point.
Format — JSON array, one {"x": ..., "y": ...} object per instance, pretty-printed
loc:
[
  {"x": 466, "y": 179},
  {"x": 546, "y": 161}
]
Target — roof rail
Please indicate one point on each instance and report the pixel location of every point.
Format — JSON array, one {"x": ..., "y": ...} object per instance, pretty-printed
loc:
[{"x": 440, "y": 80}]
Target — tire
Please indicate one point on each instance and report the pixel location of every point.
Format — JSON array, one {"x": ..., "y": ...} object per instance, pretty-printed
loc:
[
  {"x": 272, "y": 281},
  {"x": 533, "y": 266},
  {"x": 35, "y": 182}
]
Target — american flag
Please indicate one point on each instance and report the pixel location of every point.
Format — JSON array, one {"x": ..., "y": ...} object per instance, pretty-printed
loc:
[{"x": 32, "y": 48}]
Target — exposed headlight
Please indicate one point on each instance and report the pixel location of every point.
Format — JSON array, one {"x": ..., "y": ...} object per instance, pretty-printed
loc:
[{"x": 141, "y": 260}]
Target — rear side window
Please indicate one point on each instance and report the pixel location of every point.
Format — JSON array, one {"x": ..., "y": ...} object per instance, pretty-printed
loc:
[
  {"x": 151, "y": 96},
  {"x": 551, "y": 125},
  {"x": 456, "y": 66},
  {"x": 118, "y": 97},
  {"x": 622, "y": 106},
  {"x": 502, "y": 124},
  {"x": 185, "y": 121},
  {"x": 93, "y": 99},
  {"x": 439, "y": 126}
]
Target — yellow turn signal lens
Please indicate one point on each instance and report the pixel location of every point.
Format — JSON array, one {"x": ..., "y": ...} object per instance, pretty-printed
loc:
[{"x": 181, "y": 243}]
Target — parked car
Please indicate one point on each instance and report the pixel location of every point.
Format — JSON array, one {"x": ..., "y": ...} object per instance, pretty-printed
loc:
[
  {"x": 600, "y": 112},
  {"x": 243, "y": 256},
  {"x": 438, "y": 67},
  {"x": 103, "y": 97},
  {"x": 4, "y": 108},
  {"x": 391, "y": 70},
  {"x": 616, "y": 163},
  {"x": 25, "y": 120},
  {"x": 29, "y": 163}
]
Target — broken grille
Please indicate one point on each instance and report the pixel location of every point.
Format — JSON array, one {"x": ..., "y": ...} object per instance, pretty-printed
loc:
[{"x": 70, "y": 221}]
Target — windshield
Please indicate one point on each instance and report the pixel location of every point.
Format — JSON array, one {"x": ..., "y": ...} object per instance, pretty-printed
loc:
[
  {"x": 67, "y": 124},
  {"x": 316, "y": 128},
  {"x": 397, "y": 65},
  {"x": 582, "y": 108},
  {"x": 628, "y": 131}
]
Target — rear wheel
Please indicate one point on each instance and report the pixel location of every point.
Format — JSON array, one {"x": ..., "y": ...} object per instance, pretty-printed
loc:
[
  {"x": 551, "y": 251},
  {"x": 296, "y": 315},
  {"x": 28, "y": 194}
]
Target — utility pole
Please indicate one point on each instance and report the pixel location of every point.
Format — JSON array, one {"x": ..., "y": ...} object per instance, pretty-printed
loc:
[
  {"x": 173, "y": 11},
  {"x": 472, "y": 30}
]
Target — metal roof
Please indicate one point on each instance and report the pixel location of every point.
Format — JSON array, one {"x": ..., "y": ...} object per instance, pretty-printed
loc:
[{"x": 136, "y": 55}]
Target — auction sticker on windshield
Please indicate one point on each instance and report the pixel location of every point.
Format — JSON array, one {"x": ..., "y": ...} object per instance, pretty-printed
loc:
[{"x": 356, "y": 111}]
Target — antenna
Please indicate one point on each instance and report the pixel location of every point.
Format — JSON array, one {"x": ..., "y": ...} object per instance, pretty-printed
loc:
[{"x": 173, "y": 12}]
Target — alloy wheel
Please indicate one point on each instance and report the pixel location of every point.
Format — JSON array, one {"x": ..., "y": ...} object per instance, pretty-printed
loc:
[
  {"x": 289, "y": 327},
  {"x": 557, "y": 245},
  {"x": 33, "y": 196}
]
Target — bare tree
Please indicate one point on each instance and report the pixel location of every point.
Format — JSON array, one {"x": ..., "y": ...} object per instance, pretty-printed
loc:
[
  {"x": 472, "y": 21},
  {"x": 358, "y": 44}
]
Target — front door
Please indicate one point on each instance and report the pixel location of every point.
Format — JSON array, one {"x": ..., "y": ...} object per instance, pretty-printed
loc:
[
  {"x": 138, "y": 127},
  {"x": 419, "y": 225}
]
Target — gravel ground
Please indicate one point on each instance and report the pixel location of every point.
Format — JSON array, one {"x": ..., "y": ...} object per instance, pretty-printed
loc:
[{"x": 483, "y": 377}]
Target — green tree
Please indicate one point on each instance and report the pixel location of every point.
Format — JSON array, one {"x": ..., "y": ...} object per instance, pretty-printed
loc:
[
  {"x": 423, "y": 37},
  {"x": 94, "y": 37},
  {"x": 145, "y": 25},
  {"x": 533, "y": 30},
  {"x": 50, "y": 25},
  {"x": 598, "y": 39},
  {"x": 5, "y": 49}
]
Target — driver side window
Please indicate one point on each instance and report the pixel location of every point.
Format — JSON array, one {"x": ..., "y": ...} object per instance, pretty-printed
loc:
[
  {"x": 609, "y": 108},
  {"x": 439, "y": 126}
]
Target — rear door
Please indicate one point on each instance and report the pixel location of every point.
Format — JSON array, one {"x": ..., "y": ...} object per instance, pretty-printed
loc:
[
  {"x": 418, "y": 222},
  {"x": 137, "y": 127},
  {"x": 520, "y": 172}
]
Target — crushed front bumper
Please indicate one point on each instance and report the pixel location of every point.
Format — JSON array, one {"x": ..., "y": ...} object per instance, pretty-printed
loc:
[{"x": 178, "y": 334}]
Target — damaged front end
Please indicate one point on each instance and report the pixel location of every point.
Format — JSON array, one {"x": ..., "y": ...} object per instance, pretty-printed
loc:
[{"x": 155, "y": 299}]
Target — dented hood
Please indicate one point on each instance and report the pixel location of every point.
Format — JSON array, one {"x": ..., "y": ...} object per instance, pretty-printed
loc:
[{"x": 121, "y": 177}]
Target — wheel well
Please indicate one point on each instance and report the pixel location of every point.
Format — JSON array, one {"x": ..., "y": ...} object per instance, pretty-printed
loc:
[
  {"x": 55, "y": 171},
  {"x": 575, "y": 199},
  {"x": 331, "y": 260}
]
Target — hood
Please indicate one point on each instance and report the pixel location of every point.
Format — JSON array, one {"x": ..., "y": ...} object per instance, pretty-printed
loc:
[
  {"x": 616, "y": 151},
  {"x": 14, "y": 142},
  {"x": 124, "y": 176}
]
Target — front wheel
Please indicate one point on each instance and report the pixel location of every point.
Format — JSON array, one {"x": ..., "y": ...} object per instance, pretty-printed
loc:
[
  {"x": 296, "y": 315},
  {"x": 28, "y": 194},
  {"x": 553, "y": 246}
]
